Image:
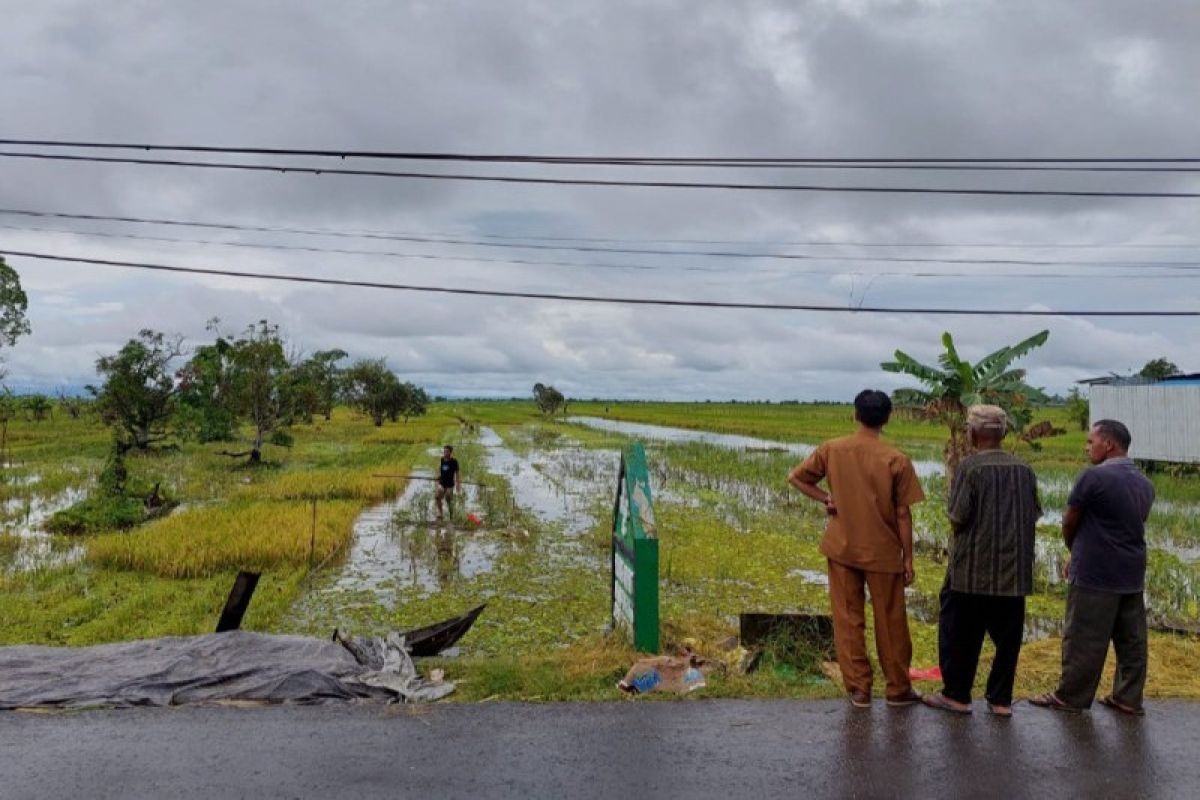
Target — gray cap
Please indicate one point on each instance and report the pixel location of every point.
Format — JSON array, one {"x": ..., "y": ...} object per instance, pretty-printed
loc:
[{"x": 987, "y": 418}]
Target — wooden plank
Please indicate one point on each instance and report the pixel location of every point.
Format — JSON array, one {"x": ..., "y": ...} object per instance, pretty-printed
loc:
[{"x": 238, "y": 601}]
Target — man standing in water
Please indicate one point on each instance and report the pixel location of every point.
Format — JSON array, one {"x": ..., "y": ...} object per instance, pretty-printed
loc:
[
  {"x": 994, "y": 511},
  {"x": 868, "y": 542},
  {"x": 1104, "y": 527},
  {"x": 448, "y": 482}
]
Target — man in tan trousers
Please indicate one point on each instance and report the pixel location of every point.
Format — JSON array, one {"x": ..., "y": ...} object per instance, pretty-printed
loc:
[{"x": 868, "y": 542}]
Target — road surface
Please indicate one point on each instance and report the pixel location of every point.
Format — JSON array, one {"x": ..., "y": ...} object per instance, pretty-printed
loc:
[{"x": 637, "y": 749}]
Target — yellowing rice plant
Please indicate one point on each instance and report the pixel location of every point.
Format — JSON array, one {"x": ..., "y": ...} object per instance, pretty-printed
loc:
[
  {"x": 329, "y": 485},
  {"x": 240, "y": 535}
]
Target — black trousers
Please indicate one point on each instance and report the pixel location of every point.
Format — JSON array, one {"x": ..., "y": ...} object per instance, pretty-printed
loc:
[
  {"x": 1093, "y": 620},
  {"x": 962, "y": 623}
]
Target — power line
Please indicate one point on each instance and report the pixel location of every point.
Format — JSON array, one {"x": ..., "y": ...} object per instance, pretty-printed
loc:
[
  {"x": 599, "y": 182},
  {"x": 448, "y": 238},
  {"x": 1182, "y": 268},
  {"x": 612, "y": 300},
  {"x": 854, "y": 243},
  {"x": 1019, "y": 163},
  {"x": 1181, "y": 265}
]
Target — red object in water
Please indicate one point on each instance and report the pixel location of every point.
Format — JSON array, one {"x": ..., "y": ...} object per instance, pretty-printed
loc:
[
  {"x": 474, "y": 519},
  {"x": 925, "y": 673}
]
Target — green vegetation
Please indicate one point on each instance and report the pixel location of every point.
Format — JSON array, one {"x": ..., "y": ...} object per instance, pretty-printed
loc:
[
  {"x": 734, "y": 538},
  {"x": 955, "y": 384},
  {"x": 170, "y": 575}
]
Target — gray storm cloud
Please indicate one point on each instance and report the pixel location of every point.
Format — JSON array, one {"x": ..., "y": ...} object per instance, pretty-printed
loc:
[{"x": 913, "y": 79}]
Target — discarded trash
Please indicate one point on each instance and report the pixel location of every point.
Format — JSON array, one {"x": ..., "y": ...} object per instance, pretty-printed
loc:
[
  {"x": 831, "y": 670},
  {"x": 925, "y": 673},
  {"x": 679, "y": 674},
  {"x": 391, "y": 667},
  {"x": 474, "y": 519},
  {"x": 726, "y": 654}
]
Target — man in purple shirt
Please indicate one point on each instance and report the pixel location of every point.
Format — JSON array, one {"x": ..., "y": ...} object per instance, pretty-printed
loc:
[{"x": 1104, "y": 528}]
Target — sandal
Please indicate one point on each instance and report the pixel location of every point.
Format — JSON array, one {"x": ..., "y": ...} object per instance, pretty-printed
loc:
[
  {"x": 1108, "y": 700},
  {"x": 943, "y": 703},
  {"x": 1000, "y": 711},
  {"x": 1050, "y": 700}
]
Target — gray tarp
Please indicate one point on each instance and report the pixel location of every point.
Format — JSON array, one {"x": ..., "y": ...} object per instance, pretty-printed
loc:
[{"x": 237, "y": 665}]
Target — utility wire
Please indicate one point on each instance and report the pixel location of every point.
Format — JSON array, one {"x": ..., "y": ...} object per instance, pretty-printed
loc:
[
  {"x": 597, "y": 182},
  {"x": 647, "y": 161},
  {"x": 1180, "y": 269},
  {"x": 847, "y": 243},
  {"x": 581, "y": 249},
  {"x": 446, "y": 237},
  {"x": 615, "y": 300}
]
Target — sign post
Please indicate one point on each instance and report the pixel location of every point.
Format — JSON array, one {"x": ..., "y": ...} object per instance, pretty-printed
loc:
[{"x": 635, "y": 553}]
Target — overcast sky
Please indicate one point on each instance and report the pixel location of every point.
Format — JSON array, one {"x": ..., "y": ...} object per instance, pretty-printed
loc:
[{"x": 686, "y": 78}]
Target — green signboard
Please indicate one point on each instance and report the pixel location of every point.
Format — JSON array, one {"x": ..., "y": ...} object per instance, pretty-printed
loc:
[{"x": 635, "y": 553}]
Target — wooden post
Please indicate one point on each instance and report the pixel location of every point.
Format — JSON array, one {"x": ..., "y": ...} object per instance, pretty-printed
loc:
[
  {"x": 312, "y": 540},
  {"x": 238, "y": 601}
]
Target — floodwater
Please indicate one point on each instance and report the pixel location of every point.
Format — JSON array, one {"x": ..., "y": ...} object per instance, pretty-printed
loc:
[
  {"x": 671, "y": 434},
  {"x": 730, "y": 441},
  {"x": 398, "y": 550},
  {"x": 557, "y": 484},
  {"x": 397, "y": 553},
  {"x": 26, "y": 517},
  {"x": 388, "y": 555}
]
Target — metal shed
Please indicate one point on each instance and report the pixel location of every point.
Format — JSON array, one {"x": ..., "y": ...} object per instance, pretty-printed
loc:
[{"x": 1163, "y": 416}]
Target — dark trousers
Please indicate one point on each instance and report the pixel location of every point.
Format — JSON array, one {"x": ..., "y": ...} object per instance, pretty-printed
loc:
[
  {"x": 1093, "y": 620},
  {"x": 962, "y": 623}
]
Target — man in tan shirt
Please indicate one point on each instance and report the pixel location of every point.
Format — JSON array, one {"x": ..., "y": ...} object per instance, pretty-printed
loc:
[{"x": 868, "y": 542}]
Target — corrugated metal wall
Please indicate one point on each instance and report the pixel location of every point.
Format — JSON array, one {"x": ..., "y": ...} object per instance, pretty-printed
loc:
[{"x": 1163, "y": 420}]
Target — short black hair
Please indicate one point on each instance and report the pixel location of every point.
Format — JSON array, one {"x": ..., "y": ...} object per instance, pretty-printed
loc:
[
  {"x": 449, "y": 447},
  {"x": 872, "y": 408},
  {"x": 1114, "y": 431}
]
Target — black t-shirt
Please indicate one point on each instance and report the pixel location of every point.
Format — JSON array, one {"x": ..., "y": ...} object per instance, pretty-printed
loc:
[
  {"x": 449, "y": 470},
  {"x": 1109, "y": 551}
]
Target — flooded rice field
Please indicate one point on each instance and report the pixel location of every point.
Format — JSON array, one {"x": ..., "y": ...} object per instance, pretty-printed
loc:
[
  {"x": 25, "y": 545},
  {"x": 533, "y": 504},
  {"x": 735, "y": 538}
]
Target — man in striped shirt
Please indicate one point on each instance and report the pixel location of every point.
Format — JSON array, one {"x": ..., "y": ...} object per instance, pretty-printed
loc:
[{"x": 993, "y": 511}]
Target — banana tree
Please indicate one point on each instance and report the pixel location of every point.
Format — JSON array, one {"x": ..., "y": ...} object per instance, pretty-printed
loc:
[{"x": 948, "y": 389}]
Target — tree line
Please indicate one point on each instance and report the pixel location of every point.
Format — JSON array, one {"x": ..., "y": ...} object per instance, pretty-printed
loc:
[{"x": 152, "y": 390}]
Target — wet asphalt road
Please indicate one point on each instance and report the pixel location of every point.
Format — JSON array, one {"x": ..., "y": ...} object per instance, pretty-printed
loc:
[{"x": 694, "y": 749}]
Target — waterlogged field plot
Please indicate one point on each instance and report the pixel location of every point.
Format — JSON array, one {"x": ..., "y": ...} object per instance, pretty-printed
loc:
[
  {"x": 742, "y": 494},
  {"x": 171, "y": 575},
  {"x": 530, "y": 537},
  {"x": 532, "y": 557}
]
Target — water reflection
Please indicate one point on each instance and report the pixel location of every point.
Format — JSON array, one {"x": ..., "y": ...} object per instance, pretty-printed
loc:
[{"x": 25, "y": 518}]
